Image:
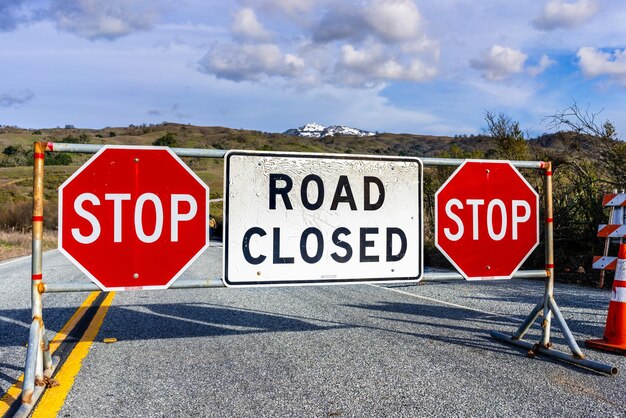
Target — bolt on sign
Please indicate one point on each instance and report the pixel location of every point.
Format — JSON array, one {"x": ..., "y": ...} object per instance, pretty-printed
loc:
[
  {"x": 133, "y": 217},
  {"x": 313, "y": 219},
  {"x": 486, "y": 219}
]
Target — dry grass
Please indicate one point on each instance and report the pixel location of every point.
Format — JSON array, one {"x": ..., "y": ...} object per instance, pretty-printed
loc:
[{"x": 17, "y": 244}]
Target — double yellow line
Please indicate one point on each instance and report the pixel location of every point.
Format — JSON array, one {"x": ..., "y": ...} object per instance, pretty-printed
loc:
[{"x": 53, "y": 399}]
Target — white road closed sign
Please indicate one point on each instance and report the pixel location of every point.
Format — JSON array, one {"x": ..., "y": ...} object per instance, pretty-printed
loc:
[{"x": 312, "y": 219}]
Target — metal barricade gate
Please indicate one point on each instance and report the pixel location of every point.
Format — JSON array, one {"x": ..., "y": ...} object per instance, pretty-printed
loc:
[{"x": 40, "y": 365}]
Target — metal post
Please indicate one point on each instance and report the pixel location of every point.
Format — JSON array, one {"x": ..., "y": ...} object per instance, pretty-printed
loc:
[
  {"x": 549, "y": 235},
  {"x": 35, "y": 359}
]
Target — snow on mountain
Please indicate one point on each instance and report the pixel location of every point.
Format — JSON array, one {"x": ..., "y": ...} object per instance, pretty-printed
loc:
[{"x": 315, "y": 130}]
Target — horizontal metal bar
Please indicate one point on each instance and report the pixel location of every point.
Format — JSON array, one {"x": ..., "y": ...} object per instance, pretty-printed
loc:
[
  {"x": 59, "y": 287},
  {"x": 219, "y": 153},
  {"x": 590, "y": 364},
  {"x": 428, "y": 161},
  {"x": 195, "y": 284},
  {"x": 64, "y": 147},
  {"x": 452, "y": 275},
  {"x": 200, "y": 153}
]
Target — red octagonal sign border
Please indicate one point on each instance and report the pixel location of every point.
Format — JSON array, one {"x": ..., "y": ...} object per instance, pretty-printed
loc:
[
  {"x": 437, "y": 232},
  {"x": 141, "y": 148}
]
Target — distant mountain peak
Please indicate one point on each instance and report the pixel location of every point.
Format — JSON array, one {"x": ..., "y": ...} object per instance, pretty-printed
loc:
[{"x": 315, "y": 130}]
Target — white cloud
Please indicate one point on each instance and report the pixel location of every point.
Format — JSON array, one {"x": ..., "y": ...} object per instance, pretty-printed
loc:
[
  {"x": 291, "y": 8},
  {"x": 394, "y": 20},
  {"x": 500, "y": 62},
  {"x": 424, "y": 45},
  {"x": 374, "y": 66},
  {"x": 247, "y": 26},
  {"x": 390, "y": 21},
  {"x": 594, "y": 63},
  {"x": 250, "y": 62},
  {"x": 340, "y": 22},
  {"x": 111, "y": 19},
  {"x": 559, "y": 14},
  {"x": 365, "y": 46},
  {"x": 542, "y": 65}
]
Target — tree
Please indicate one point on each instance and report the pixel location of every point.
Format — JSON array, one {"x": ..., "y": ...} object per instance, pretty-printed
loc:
[
  {"x": 582, "y": 181},
  {"x": 604, "y": 136},
  {"x": 510, "y": 140}
]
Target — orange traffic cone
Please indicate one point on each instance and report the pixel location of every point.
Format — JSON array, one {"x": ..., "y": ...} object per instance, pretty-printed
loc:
[{"x": 615, "y": 330}]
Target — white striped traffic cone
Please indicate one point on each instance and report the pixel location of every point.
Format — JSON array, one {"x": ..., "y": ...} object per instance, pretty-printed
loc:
[{"x": 615, "y": 330}]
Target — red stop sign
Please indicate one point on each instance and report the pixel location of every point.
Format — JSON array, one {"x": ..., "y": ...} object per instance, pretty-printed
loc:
[
  {"x": 133, "y": 217},
  {"x": 486, "y": 219}
]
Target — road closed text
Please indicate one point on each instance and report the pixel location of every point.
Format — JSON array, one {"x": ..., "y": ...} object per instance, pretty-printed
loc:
[
  {"x": 312, "y": 241},
  {"x": 321, "y": 219}
]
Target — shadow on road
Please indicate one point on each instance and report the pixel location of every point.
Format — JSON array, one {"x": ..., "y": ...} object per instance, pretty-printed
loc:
[
  {"x": 14, "y": 324},
  {"x": 161, "y": 321},
  {"x": 463, "y": 321}
]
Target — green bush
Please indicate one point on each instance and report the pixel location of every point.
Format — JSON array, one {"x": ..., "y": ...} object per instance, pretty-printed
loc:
[
  {"x": 13, "y": 150},
  {"x": 15, "y": 156},
  {"x": 167, "y": 140},
  {"x": 58, "y": 158}
]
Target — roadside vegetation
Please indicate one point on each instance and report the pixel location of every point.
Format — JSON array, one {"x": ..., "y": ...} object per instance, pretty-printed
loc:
[{"x": 586, "y": 153}]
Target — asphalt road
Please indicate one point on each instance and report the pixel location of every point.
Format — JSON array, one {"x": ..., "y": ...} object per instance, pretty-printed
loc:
[{"x": 341, "y": 351}]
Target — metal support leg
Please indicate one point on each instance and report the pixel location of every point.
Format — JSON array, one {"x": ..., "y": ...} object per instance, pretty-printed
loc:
[
  {"x": 571, "y": 341},
  {"x": 546, "y": 324},
  {"x": 548, "y": 306},
  {"x": 528, "y": 322},
  {"x": 559, "y": 355},
  {"x": 45, "y": 349},
  {"x": 31, "y": 361}
]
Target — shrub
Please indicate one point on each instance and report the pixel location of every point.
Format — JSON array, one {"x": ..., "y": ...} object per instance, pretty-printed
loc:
[
  {"x": 13, "y": 150},
  {"x": 17, "y": 216},
  {"x": 58, "y": 158},
  {"x": 167, "y": 140}
]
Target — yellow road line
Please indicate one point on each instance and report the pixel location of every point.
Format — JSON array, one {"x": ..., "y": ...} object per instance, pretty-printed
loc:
[
  {"x": 11, "y": 396},
  {"x": 69, "y": 326},
  {"x": 14, "y": 391},
  {"x": 53, "y": 399}
]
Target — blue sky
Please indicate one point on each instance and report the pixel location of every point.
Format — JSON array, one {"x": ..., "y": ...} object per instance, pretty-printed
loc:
[{"x": 422, "y": 66}]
